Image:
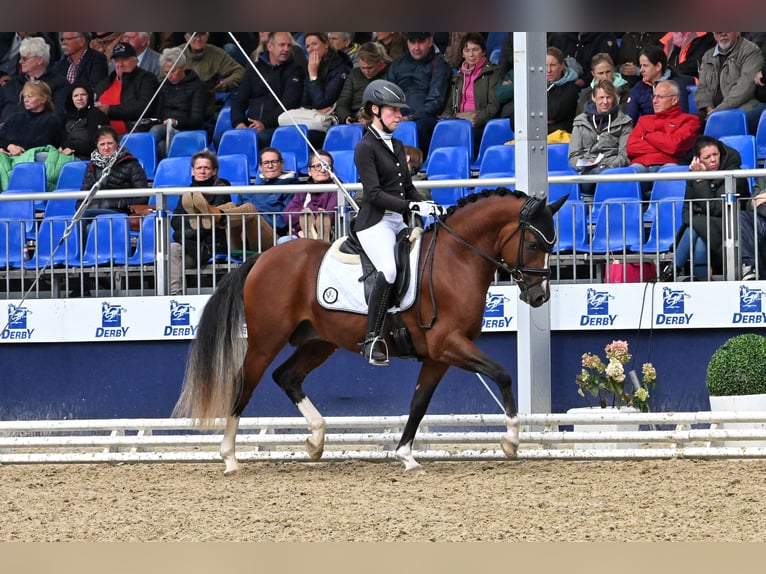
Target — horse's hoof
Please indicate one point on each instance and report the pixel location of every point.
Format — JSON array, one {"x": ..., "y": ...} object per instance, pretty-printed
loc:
[
  {"x": 509, "y": 446},
  {"x": 414, "y": 469},
  {"x": 315, "y": 452},
  {"x": 231, "y": 472}
]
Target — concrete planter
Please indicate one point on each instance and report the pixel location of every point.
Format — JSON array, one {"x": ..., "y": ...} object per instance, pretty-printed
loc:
[{"x": 740, "y": 403}]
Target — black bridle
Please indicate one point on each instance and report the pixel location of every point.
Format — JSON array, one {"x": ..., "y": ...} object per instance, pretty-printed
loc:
[{"x": 518, "y": 272}]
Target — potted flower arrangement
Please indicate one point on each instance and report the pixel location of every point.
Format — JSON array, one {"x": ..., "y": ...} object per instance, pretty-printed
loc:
[
  {"x": 736, "y": 380},
  {"x": 609, "y": 385}
]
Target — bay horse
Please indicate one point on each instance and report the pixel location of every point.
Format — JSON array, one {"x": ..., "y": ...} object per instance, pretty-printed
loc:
[{"x": 275, "y": 292}]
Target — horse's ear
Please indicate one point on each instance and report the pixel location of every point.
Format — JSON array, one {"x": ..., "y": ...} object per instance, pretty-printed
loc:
[{"x": 556, "y": 205}]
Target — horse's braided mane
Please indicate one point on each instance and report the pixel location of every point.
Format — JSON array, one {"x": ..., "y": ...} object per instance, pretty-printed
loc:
[{"x": 472, "y": 198}]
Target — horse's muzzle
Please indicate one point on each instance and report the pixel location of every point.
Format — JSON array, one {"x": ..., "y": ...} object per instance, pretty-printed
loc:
[{"x": 536, "y": 294}]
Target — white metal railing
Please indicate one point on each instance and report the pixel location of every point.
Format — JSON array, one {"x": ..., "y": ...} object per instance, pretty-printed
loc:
[
  {"x": 442, "y": 437},
  {"x": 152, "y": 279}
]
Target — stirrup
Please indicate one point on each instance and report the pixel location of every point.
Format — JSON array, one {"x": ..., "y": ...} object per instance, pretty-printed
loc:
[{"x": 371, "y": 352}]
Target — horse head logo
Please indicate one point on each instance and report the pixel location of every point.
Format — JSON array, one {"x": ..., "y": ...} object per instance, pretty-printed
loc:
[
  {"x": 179, "y": 309},
  {"x": 110, "y": 313},
  {"x": 673, "y": 298},
  {"x": 598, "y": 298},
  {"x": 749, "y": 296},
  {"x": 17, "y": 316},
  {"x": 495, "y": 301}
]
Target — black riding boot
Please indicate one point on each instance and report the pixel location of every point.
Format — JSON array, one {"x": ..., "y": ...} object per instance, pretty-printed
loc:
[{"x": 374, "y": 347}]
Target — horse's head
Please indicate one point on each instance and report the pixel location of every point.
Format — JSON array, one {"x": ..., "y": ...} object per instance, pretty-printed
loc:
[{"x": 534, "y": 239}]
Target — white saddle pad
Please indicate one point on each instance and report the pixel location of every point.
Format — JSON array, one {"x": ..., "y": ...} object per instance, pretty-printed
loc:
[{"x": 338, "y": 284}]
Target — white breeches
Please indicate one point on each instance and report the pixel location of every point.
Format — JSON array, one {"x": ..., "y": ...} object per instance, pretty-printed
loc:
[{"x": 378, "y": 243}]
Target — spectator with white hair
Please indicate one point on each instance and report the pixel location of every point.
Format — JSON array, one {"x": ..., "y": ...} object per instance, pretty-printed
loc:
[
  {"x": 34, "y": 58},
  {"x": 181, "y": 101},
  {"x": 148, "y": 59}
]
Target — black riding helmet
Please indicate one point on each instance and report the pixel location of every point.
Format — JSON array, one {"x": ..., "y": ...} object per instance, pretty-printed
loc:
[{"x": 382, "y": 93}]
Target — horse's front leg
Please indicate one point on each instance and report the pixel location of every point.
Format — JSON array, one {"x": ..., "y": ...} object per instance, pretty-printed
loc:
[
  {"x": 461, "y": 352},
  {"x": 430, "y": 374}
]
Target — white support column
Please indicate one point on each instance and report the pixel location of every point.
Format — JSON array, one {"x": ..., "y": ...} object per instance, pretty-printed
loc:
[{"x": 531, "y": 131}]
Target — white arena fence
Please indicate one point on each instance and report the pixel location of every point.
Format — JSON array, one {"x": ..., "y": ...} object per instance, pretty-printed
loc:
[
  {"x": 700, "y": 435},
  {"x": 140, "y": 277}
]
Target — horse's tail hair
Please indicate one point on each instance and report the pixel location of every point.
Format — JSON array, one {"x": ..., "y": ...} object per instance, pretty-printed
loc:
[{"x": 213, "y": 379}]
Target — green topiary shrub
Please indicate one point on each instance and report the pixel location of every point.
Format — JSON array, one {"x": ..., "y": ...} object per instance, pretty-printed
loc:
[{"x": 738, "y": 367}]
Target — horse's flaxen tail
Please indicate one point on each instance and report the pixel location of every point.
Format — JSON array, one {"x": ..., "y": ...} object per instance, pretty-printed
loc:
[{"x": 213, "y": 378}]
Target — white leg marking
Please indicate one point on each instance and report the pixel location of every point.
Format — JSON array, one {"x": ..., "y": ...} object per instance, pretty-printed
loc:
[
  {"x": 510, "y": 440},
  {"x": 227, "y": 446},
  {"x": 404, "y": 454},
  {"x": 316, "y": 424}
]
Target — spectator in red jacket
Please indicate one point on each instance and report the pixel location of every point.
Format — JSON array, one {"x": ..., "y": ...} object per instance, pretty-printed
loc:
[{"x": 664, "y": 137}]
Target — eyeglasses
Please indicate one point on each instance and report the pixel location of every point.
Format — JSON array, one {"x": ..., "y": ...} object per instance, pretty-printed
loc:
[
  {"x": 69, "y": 38},
  {"x": 658, "y": 96},
  {"x": 271, "y": 162},
  {"x": 318, "y": 166}
]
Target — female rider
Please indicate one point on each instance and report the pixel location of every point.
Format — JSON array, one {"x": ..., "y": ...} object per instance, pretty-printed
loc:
[{"x": 388, "y": 196}]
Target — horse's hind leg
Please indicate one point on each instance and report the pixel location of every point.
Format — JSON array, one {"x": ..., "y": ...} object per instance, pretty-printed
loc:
[
  {"x": 290, "y": 375},
  {"x": 227, "y": 446},
  {"x": 428, "y": 379}
]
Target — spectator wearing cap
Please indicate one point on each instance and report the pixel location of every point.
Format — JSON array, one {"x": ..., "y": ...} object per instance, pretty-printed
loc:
[
  {"x": 424, "y": 77},
  {"x": 148, "y": 59},
  {"x": 126, "y": 93},
  {"x": 81, "y": 63}
]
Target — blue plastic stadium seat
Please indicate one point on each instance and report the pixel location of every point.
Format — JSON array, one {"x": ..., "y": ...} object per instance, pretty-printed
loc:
[
  {"x": 107, "y": 241},
  {"x": 145, "y": 253},
  {"x": 726, "y": 123},
  {"x": 186, "y": 143},
  {"x": 48, "y": 252},
  {"x": 12, "y": 244},
  {"x": 288, "y": 138},
  {"x": 745, "y": 145},
  {"x": 29, "y": 177},
  {"x": 234, "y": 168},
  {"x": 499, "y": 159},
  {"x": 345, "y": 167},
  {"x": 448, "y": 163},
  {"x": 241, "y": 142},
  {"x": 172, "y": 172},
  {"x": 760, "y": 138},
  {"x": 571, "y": 228},
  {"x": 619, "y": 226},
  {"x": 558, "y": 157},
  {"x": 343, "y": 137},
  {"x": 407, "y": 132},
  {"x": 143, "y": 146},
  {"x": 625, "y": 190},
  {"x": 497, "y": 131},
  {"x": 450, "y": 133},
  {"x": 71, "y": 175}
]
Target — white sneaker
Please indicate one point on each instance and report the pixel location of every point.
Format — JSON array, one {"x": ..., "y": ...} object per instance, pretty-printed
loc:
[{"x": 748, "y": 272}]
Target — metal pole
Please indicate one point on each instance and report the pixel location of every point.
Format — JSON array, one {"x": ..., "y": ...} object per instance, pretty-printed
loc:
[{"x": 531, "y": 131}]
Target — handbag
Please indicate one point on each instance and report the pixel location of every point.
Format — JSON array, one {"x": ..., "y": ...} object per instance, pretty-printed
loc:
[
  {"x": 632, "y": 272},
  {"x": 313, "y": 119}
]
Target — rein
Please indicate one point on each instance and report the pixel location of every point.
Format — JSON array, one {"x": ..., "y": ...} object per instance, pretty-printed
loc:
[{"x": 517, "y": 272}]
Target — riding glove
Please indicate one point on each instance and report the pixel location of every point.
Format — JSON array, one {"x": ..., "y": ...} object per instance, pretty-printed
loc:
[{"x": 425, "y": 208}]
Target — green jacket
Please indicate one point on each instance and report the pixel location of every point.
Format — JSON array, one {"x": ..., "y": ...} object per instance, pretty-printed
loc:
[{"x": 53, "y": 162}]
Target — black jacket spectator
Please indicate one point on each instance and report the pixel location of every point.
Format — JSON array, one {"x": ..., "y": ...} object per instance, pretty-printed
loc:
[
  {"x": 582, "y": 46},
  {"x": 92, "y": 70},
  {"x": 184, "y": 101},
  {"x": 10, "y": 94},
  {"x": 126, "y": 173},
  {"x": 325, "y": 90},
  {"x": 254, "y": 97},
  {"x": 31, "y": 129},
  {"x": 138, "y": 88},
  {"x": 81, "y": 125}
]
